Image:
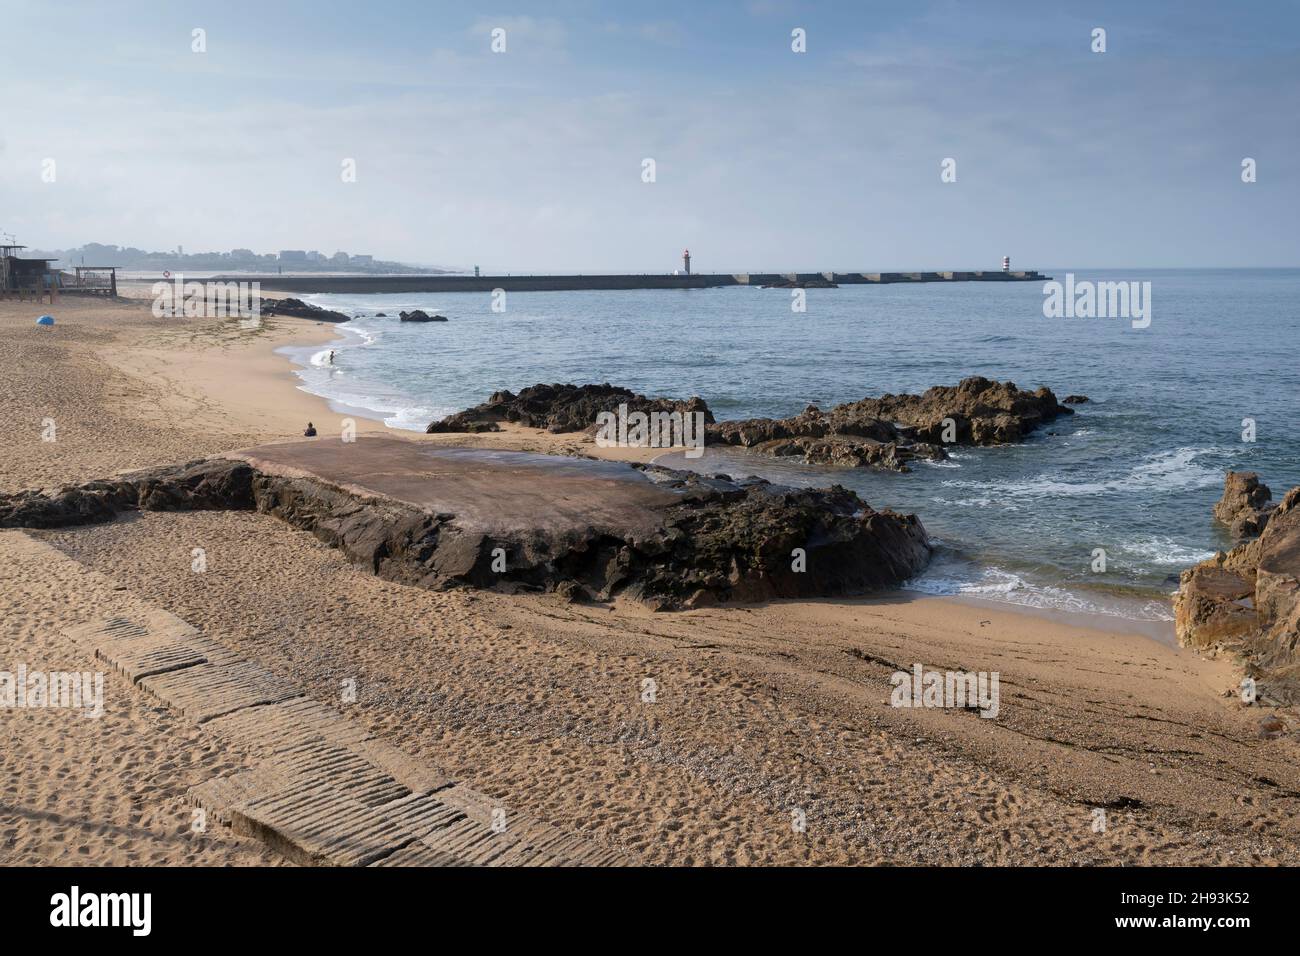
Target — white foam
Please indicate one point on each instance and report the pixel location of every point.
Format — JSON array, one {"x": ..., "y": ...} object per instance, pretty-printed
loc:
[
  {"x": 1174, "y": 470},
  {"x": 996, "y": 584},
  {"x": 1164, "y": 551}
]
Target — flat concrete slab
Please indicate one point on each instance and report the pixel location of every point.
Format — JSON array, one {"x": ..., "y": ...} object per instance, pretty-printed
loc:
[{"x": 491, "y": 492}]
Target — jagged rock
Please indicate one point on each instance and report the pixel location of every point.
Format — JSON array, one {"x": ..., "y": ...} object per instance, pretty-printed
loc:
[
  {"x": 705, "y": 540},
  {"x": 1213, "y": 605},
  {"x": 1248, "y": 600},
  {"x": 1245, "y": 505},
  {"x": 836, "y": 438},
  {"x": 984, "y": 412},
  {"x": 562, "y": 408},
  {"x": 199, "y": 485},
  {"x": 419, "y": 315},
  {"x": 302, "y": 310},
  {"x": 1074, "y": 400},
  {"x": 890, "y": 431},
  {"x": 469, "y": 427}
]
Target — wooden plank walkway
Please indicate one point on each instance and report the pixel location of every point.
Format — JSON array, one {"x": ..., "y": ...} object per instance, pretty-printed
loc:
[{"x": 325, "y": 791}]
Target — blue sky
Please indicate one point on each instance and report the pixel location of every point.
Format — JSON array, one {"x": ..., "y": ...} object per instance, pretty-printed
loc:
[{"x": 766, "y": 159}]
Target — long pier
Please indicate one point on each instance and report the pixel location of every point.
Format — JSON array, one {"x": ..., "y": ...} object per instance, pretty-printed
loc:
[{"x": 567, "y": 283}]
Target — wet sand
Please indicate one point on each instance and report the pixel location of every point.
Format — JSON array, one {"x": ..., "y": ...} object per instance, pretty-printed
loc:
[{"x": 685, "y": 738}]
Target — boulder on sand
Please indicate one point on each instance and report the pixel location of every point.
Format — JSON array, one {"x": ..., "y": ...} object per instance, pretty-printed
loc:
[
  {"x": 301, "y": 310},
  {"x": 1247, "y": 601}
]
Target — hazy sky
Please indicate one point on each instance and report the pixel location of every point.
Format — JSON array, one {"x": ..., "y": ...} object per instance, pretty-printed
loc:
[{"x": 766, "y": 159}]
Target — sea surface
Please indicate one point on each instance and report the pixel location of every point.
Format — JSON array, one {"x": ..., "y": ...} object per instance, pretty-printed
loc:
[{"x": 1135, "y": 472}]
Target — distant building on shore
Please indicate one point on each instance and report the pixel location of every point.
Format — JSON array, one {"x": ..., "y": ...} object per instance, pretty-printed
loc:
[{"x": 293, "y": 257}]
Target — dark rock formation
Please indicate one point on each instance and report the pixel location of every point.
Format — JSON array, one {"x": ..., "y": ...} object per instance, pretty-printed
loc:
[
  {"x": 302, "y": 310},
  {"x": 839, "y": 437},
  {"x": 419, "y": 315},
  {"x": 1245, "y": 505},
  {"x": 984, "y": 412},
  {"x": 717, "y": 539},
  {"x": 455, "y": 424},
  {"x": 198, "y": 486},
  {"x": 1247, "y": 601},
  {"x": 1074, "y": 400},
  {"x": 561, "y": 408},
  {"x": 890, "y": 431}
]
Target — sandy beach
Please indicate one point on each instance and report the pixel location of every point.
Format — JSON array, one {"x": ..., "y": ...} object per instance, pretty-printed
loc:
[{"x": 763, "y": 715}]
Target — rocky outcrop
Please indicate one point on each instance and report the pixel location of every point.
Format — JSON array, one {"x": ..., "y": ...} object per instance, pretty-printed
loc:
[
  {"x": 302, "y": 310},
  {"x": 983, "y": 412},
  {"x": 1075, "y": 400},
  {"x": 1245, "y": 505},
  {"x": 198, "y": 486},
  {"x": 1247, "y": 601},
  {"x": 419, "y": 315},
  {"x": 838, "y": 437},
  {"x": 716, "y": 540},
  {"x": 561, "y": 408},
  {"x": 890, "y": 431},
  {"x": 886, "y": 432}
]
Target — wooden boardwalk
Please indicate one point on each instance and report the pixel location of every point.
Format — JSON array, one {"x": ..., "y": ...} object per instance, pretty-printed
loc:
[{"x": 325, "y": 792}]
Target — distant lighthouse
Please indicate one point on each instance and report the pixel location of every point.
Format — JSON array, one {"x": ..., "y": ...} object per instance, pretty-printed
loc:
[
  {"x": 686, "y": 261},
  {"x": 1006, "y": 263}
]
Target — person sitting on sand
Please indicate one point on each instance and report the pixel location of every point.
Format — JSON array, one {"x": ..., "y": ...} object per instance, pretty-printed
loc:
[{"x": 311, "y": 430}]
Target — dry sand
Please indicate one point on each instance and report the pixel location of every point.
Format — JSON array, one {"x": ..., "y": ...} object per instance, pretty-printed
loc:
[{"x": 760, "y": 713}]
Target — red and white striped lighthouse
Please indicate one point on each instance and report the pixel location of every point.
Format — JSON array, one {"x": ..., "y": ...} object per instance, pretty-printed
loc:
[
  {"x": 1006, "y": 263},
  {"x": 686, "y": 261}
]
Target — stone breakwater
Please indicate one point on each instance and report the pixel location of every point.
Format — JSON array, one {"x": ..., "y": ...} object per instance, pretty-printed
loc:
[
  {"x": 559, "y": 283},
  {"x": 886, "y": 432},
  {"x": 446, "y": 518},
  {"x": 1247, "y": 601}
]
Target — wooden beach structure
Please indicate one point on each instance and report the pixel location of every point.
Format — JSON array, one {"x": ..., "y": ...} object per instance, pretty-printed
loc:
[
  {"x": 91, "y": 280},
  {"x": 23, "y": 278}
]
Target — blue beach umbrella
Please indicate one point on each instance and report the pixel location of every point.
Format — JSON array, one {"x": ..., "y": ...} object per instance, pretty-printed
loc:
[{"x": 45, "y": 320}]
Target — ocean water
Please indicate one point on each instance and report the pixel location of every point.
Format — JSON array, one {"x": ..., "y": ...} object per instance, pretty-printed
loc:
[{"x": 1135, "y": 472}]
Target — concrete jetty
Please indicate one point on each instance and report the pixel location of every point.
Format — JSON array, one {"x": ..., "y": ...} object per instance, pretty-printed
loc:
[{"x": 355, "y": 284}]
